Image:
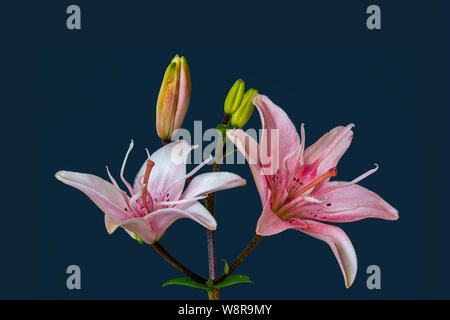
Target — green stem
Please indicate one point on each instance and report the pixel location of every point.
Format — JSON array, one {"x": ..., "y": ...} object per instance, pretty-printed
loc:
[
  {"x": 225, "y": 120},
  {"x": 174, "y": 262},
  {"x": 241, "y": 258},
  {"x": 213, "y": 294}
]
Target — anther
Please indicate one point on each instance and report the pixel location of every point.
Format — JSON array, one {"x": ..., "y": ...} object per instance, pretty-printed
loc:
[{"x": 148, "y": 170}]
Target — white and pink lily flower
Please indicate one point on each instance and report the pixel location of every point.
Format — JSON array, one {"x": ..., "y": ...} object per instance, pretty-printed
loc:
[
  {"x": 156, "y": 199},
  {"x": 299, "y": 194}
]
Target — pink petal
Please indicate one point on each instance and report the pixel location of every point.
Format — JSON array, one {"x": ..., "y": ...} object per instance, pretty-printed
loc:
[
  {"x": 206, "y": 183},
  {"x": 273, "y": 117},
  {"x": 104, "y": 194},
  {"x": 249, "y": 148},
  {"x": 197, "y": 212},
  {"x": 329, "y": 149},
  {"x": 170, "y": 165},
  {"x": 153, "y": 226},
  {"x": 339, "y": 243},
  {"x": 140, "y": 227},
  {"x": 111, "y": 223},
  {"x": 347, "y": 203},
  {"x": 269, "y": 223}
]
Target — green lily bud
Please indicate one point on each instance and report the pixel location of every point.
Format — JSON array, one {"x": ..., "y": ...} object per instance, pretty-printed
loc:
[
  {"x": 234, "y": 97},
  {"x": 245, "y": 110},
  {"x": 173, "y": 98}
]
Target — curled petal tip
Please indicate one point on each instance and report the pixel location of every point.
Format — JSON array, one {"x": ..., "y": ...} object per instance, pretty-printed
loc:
[
  {"x": 258, "y": 97},
  {"x": 394, "y": 213},
  {"x": 60, "y": 174}
]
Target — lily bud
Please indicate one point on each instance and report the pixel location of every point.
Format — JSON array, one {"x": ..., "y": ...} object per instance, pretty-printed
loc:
[
  {"x": 245, "y": 110},
  {"x": 173, "y": 98},
  {"x": 234, "y": 97}
]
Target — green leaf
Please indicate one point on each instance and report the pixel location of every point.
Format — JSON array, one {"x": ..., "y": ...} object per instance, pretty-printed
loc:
[
  {"x": 209, "y": 283},
  {"x": 226, "y": 268},
  {"x": 222, "y": 128},
  {"x": 233, "y": 279},
  {"x": 186, "y": 281}
]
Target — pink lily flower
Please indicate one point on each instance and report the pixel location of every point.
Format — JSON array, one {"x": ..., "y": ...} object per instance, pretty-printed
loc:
[
  {"x": 299, "y": 195},
  {"x": 156, "y": 199}
]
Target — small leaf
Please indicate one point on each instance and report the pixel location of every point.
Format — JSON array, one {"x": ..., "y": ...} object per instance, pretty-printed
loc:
[
  {"x": 209, "y": 283},
  {"x": 222, "y": 128},
  {"x": 233, "y": 279},
  {"x": 185, "y": 281},
  {"x": 226, "y": 268}
]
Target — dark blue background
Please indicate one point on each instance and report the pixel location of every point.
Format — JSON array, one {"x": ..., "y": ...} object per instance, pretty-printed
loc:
[{"x": 97, "y": 88}]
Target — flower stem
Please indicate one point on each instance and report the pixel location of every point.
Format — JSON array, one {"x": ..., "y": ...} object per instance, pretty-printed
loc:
[
  {"x": 210, "y": 204},
  {"x": 213, "y": 294},
  {"x": 241, "y": 258},
  {"x": 225, "y": 120},
  {"x": 210, "y": 201},
  {"x": 169, "y": 258}
]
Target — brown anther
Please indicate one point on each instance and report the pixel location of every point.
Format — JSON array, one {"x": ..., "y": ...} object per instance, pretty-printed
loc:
[{"x": 148, "y": 169}]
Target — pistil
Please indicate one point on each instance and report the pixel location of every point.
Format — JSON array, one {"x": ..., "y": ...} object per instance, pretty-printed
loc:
[
  {"x": 330, "y": 173},
  {"x": 148, "y": 170}
]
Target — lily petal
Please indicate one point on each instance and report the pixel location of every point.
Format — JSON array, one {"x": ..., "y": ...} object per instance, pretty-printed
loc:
[
  {"x": 103, "y": 193},
  {"x": 170, "y": 165},
  {"x": 350, "y": 202},
  {"x": 326, "y": 152},
  {"x": 250, "y": 149},
  {"x": 339, "y": 243},
  {"x": 209, "y": 182},
  {"x": 274, "y": 118},
  {"x": 153, "y": 226},
  {"x": 269, "y": 223},
  {"x": 111, "y": 223}
]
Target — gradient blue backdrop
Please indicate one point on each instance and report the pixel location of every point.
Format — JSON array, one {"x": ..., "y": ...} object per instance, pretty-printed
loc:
[{"x": 317, "y": 60}]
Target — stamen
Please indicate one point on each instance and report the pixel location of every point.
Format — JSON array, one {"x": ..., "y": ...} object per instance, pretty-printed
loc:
[
  {"x": 136, "y": 196},
  {"x": 335, "y": 142},
  {"x": 330, "y": 173},
  {"x": 169, "y": 203},
  {"x": 365, "y": 175},
  {"x": 123, "y": 193},
  {"x": 346, "y": 184},
  {"x": 190, "y": 174},
  {"x": 302, "y": 143},
  {"x": 148, "y": 169},
  {"x": 130, "y": 188},
  {"x": 285, "y": 160}
]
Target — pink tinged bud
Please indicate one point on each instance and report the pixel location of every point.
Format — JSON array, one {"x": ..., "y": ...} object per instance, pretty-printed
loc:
[{"x": 173, "y": 98}]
